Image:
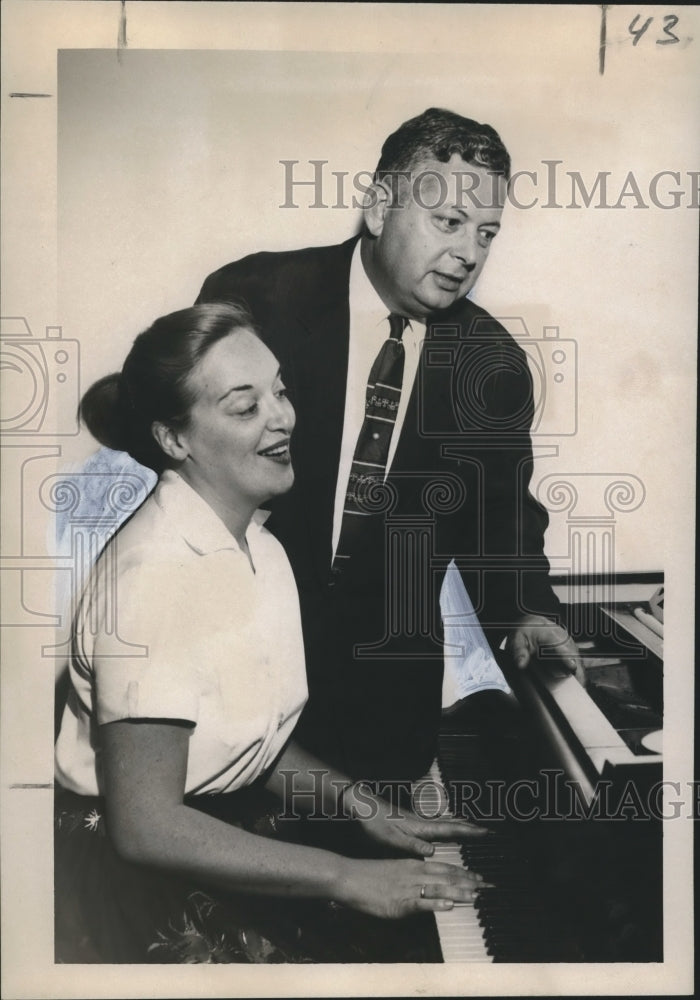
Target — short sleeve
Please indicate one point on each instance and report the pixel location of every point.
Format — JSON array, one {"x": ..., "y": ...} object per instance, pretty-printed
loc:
[{"x": 145, "y": 658}]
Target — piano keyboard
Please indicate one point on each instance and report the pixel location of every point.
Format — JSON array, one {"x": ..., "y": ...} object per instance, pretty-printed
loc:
[
  {"x": 565, "y": 889},
  {"x": 460, "y": 933},
  {"x": 510, "y": 921}
]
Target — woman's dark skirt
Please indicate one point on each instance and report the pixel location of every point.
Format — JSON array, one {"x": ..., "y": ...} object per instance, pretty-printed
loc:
[{"x": 110, "y": 911}]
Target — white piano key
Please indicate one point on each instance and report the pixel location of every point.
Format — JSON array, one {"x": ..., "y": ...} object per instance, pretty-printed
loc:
[{"x": 460, "y": 933}]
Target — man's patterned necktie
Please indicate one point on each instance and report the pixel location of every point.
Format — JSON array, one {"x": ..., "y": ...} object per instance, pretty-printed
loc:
[{"x": 372, "y": 449}]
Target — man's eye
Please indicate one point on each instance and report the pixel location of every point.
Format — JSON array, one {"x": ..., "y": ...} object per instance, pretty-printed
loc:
[{"x": 449, "y": 222}]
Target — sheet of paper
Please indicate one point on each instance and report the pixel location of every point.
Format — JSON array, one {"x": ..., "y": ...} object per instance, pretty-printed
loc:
[{"x": 470, "y": 665}]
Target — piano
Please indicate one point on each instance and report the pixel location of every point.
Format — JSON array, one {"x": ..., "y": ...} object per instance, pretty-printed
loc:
[{"x": 564, "y": 776}]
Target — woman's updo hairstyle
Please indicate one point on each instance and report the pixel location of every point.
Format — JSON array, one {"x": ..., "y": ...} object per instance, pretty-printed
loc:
[{"x": 120, "y": 409}]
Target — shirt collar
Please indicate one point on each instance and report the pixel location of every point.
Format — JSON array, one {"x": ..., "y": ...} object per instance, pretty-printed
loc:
[
  {"x": 366, "y": 303},
  {"x": 364, "y": 298},
  {"x": 193, "y": 518}
]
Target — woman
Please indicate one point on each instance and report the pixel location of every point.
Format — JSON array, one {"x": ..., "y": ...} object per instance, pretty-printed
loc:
[{"x": 179, "y": 718}]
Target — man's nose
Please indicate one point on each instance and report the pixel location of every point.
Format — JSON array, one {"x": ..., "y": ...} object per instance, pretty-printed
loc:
[{"x": 466, "y": 249}]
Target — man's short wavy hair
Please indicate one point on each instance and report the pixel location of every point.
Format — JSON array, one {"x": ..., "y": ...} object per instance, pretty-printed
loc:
[{"x": 437, "y": 134}]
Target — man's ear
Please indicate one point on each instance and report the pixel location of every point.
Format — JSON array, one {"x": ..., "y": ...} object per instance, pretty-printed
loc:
[
  {"x": 377, "y": 202},
  {"x": 169, "y": 441}
]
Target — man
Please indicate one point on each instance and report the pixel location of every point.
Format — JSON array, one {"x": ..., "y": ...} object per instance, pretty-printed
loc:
[{"x": 369, "y": 535}]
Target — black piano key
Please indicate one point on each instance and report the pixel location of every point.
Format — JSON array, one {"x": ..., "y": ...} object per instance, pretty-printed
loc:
[
  {"x": 514, "y": 918},
  {"x": 507, "y": 908}
]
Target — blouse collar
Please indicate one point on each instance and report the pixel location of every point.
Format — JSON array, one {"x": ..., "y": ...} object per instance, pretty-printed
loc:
[{"x": 193, "y": 518}]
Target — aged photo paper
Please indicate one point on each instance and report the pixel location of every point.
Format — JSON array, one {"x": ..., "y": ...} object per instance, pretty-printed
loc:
[{"x": 146, "y": 144}]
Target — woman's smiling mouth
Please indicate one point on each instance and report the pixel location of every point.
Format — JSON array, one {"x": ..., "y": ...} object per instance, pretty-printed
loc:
[{"x": 278, "y": 452}]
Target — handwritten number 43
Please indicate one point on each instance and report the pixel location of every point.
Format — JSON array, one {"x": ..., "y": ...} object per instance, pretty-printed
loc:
[{"x": 670, "y": 22}]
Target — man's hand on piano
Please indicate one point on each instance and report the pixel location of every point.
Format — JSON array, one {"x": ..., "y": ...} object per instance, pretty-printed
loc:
[
  {"x": 394, "y": 889},
  {"x": 538, "y": 638},
  {"x": 401, "y": 828}
]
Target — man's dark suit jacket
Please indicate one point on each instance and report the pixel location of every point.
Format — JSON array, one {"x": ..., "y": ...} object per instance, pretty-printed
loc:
[{"x": 458, "y": 488}]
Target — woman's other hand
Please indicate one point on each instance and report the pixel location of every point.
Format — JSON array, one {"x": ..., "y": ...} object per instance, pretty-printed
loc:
[
  {"x": 394, "y": 889},
  {"x": 401, "y": 828}
]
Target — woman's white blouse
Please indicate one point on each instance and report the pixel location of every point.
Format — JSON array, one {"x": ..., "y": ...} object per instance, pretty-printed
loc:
[{"x": 175, "y": 624}]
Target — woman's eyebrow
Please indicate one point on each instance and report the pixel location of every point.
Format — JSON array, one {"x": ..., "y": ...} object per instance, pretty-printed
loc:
[
  {"x": 234, "y": 388},
  {"x": 244, "y": 388}
]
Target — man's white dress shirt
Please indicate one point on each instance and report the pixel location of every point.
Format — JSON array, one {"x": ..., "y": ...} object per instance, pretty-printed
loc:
[{"x": 369, "y": 328}]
